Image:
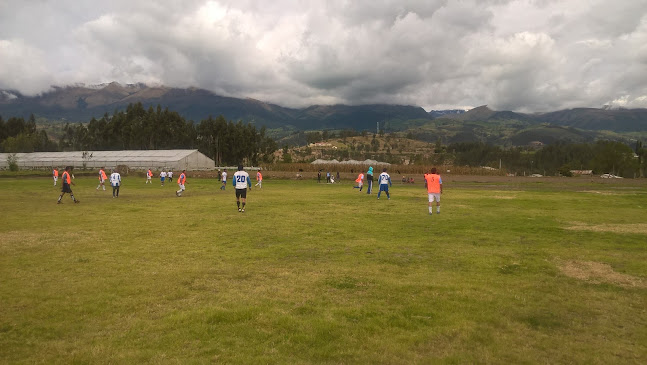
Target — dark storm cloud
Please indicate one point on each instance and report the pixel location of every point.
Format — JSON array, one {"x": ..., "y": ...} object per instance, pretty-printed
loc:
[{"x": 526, "y": 55}]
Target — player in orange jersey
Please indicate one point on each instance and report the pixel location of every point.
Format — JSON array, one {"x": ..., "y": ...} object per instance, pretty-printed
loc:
[
  {"x": 102, "y": 179},
  {"x": 67, "y": 181},
  {"x": 434, "y": 185}
]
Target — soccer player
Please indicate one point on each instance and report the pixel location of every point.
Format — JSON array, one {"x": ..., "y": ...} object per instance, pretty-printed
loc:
[
  {"x": 181, "y": 181},
  {"x": 359, "y": 181},
  {"x": 385, "y": 182},
  {"x": 259, "y": 179},
  {"x": 169, "y": 175},
  {"x": 115, "y": 182},
  {"x": 434, "y": 185},
  {"x": 369, "y": 180},
  {"x": 223, "y": 178},
  {"x": 55, "y": 175},
  {"x": 162, "y": 177},
  {"x": 241, "y": 182},
  {"x": 149, "y": 176},
  {"x": 67, "y": 181},
  {"x": 102, "y": 179}
]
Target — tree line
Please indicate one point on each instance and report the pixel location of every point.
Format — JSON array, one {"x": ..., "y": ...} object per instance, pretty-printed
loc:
[
  {"x": 559, "y": 158},
  {"x": 138, "y": 128}
]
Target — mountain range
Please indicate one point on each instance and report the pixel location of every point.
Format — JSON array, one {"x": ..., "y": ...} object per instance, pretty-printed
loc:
[{"x": 80, "y": 103}]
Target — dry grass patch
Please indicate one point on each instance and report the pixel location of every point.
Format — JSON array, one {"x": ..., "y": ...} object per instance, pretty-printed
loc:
[
  {"x": 23, "y": 239},
  {"x": 640, "y": 228},
  {"x": 505, "y": 197},
  {"x": 598, "y": 192},
  {"x": 598, "y": 273}
]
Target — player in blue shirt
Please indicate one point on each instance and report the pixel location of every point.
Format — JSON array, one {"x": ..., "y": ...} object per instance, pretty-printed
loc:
[{"x": 385, "y": 182}]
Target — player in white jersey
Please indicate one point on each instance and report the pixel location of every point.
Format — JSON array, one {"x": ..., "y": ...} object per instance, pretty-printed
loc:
[
  {"x": 162, "y": 177},
  {"x": 223, "y": 178},
  {"x": 115, "y": 181},
  {"x": 385, "y": 181},
  {"x": 241, "y": 183}
]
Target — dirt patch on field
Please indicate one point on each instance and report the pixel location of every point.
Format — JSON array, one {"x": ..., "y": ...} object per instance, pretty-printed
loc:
[
  {"x": 598, "y": 273},
  {"x": 640, "y": 228}
]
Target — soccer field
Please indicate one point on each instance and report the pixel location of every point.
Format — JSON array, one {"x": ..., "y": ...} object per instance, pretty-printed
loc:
[{"x": 318, "y": 273}]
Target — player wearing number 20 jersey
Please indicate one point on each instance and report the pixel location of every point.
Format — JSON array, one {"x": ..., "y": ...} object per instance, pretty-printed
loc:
[{"x": 241, "y": 183}]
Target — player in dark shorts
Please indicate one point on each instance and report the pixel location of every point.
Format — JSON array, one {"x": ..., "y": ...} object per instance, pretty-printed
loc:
[
  {"x": 241, "y": 183},
  {"x": 67, "y": 181}
]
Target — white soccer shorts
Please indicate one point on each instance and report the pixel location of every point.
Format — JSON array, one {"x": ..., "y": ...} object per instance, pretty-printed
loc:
[{"x": 434, "y": 196}]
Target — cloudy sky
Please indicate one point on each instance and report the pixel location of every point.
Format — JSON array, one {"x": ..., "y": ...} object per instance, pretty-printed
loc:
[{"x": 522, "y": 55}]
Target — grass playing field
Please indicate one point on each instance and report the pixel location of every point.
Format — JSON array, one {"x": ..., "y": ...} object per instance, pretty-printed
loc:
[{"x": 530, "y": 272}]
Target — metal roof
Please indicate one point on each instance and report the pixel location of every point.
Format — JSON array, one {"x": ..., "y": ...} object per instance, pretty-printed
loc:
[{"x": 96, "y": 158}]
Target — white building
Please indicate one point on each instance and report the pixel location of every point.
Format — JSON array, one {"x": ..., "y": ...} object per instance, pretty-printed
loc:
[{"x": 135, "y": 159}]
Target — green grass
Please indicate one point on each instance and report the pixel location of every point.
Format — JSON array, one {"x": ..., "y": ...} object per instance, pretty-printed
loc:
[{"x": 321, "y": 274}]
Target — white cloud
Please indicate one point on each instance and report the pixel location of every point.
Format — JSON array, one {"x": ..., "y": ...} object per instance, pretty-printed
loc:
[{"x": 525, "y": 55}]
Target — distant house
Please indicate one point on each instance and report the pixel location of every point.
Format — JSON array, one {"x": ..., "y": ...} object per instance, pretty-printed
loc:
[
  {"x": 536, "y": 144},
  {"x": 582, "y": 172},
  {"x": 320, "y": 144}
]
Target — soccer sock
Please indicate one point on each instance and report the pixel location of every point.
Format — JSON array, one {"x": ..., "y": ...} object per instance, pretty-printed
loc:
[
  {"x": 243, "y": 205},
  {"x": 60, "y": 197},
  {"x": 438, "y": 208},
  {"x": 431, "y": 209},
  {"x": 238, "y": 204},
  {"x": 72, "y": 196}
]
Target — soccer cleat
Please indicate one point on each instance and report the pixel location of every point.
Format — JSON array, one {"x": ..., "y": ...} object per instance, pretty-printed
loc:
[
  {"x": 243, "y": 210},
  {"x": 59, "y": 202},
  {"x": 76, "y": 201},
  {"x": 176, "y": 194},
  {"x": 240, "y": 210}
]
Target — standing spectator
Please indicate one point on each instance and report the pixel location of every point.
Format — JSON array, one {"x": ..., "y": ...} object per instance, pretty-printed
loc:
[
  {"x": 241, "y": 183},
  {"x": 337, "y": 178},
  {"x": 66, "y": 185},
  {"x": 369, "y": 180},
  {"x": 224, "y": 180},
  {"x": 259, "y": 179},
  {"x": 55, "y": 175},
  {"x": 319, "y": 177},
  {"x": 328, "y": 177},
  {"x": 102, "y": 179},
  {"x": 434, "y": 185},
  {"x": 115, "y": 182},
  {"x": 181, "y": 181},
  {"x": 385, "y": 181}
]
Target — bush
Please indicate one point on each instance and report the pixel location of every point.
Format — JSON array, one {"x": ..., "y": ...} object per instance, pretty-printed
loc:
[{"x": 12, "y": 161}]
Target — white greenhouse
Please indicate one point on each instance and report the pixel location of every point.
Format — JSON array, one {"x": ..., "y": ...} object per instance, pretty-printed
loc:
[{"x": 134, "y": 159}]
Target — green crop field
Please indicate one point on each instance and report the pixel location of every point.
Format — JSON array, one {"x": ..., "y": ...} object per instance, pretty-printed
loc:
[{"x": 525, "y": 272}]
